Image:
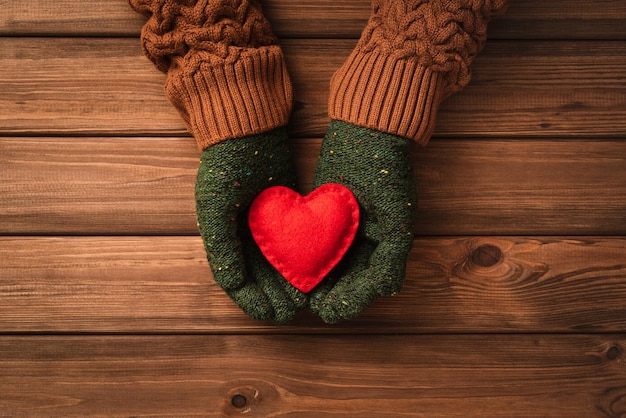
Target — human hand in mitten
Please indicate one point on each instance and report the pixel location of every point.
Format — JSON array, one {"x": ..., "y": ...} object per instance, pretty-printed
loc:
[
  {"x": 377, "y": 168},
  {"x": 231, "y": 174},
  {"x": 226, "y": 75},
  {"x": 410, "y": 56}
]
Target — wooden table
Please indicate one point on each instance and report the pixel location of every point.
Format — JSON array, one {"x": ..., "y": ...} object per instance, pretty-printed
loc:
[{"x": 515, "y": 299}]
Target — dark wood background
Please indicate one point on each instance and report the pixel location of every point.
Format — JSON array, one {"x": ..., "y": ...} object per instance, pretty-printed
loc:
[{"x": 515, "y": 299}]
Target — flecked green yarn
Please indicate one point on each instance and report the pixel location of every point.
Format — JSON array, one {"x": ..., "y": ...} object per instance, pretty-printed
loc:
[
  {"x": 377, "y": 167},
  {"x": 231, "y": 174}
]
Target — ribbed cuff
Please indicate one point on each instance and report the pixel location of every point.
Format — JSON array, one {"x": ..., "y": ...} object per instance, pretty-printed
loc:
[
  {"x": 224, "y": 100},
  {"x": 390, "y": 94}
]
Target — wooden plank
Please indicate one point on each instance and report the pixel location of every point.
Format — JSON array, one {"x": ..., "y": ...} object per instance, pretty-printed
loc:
[
  {"x": 453, "y": 285},
  {"x": 68, "y": 18},
  {"x": 373, "y": 376},
  {"x": 137, "y": 186},
  {"x": 98, "y": 185},
  {"x": 107, "y": 87},
  {"x": 525, "y": 19},
  {"x": 80, "y": 85},
  {"x": 517, "y": 187}
]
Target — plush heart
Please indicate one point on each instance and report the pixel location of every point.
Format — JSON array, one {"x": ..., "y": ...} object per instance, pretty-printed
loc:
[{"x": 304, "y": 237}]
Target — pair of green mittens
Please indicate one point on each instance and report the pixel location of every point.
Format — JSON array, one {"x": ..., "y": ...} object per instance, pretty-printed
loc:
[
  {"x": 227, "y": 76},
  {"x": 375, "y": 166}
]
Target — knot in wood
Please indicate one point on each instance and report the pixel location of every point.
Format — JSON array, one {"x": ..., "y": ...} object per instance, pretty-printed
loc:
[
  {"x": 613, "y": 353},
  {"x": 486, "y": 256},
  {"x": 244, "y": 397},
  {"x": 239, "y": 401}
]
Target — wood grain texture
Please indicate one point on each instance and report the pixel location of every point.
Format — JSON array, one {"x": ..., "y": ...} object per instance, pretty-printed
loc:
[
  {"x": 513, "y": 305},
  {"x": 139, "y": 186},
  {"x": 107, "y": 87},
  {"x": 453, "y": 285},
  {"x": 525, "y": 19},
  {"x": 277, "y": 376},
  {"x": 115, "y": 185}
]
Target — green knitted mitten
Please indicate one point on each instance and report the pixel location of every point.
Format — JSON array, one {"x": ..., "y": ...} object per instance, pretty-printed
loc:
[
  {"x": 230, "y": 175},
  {"x": 377, "y": 167}
]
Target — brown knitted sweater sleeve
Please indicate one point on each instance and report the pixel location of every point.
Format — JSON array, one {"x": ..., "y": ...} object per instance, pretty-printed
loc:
[
  {"x": 411, "y": 56},
  {"x": 226, "y": 74}
]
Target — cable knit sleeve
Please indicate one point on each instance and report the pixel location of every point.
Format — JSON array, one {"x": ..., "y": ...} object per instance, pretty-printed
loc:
[
  {"x": 411, "y": 56},
  {"x": 225, "y": 71}
]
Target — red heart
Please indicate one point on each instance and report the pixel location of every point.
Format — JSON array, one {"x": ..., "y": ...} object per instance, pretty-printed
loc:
[{"x": 304, "y": 237}]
